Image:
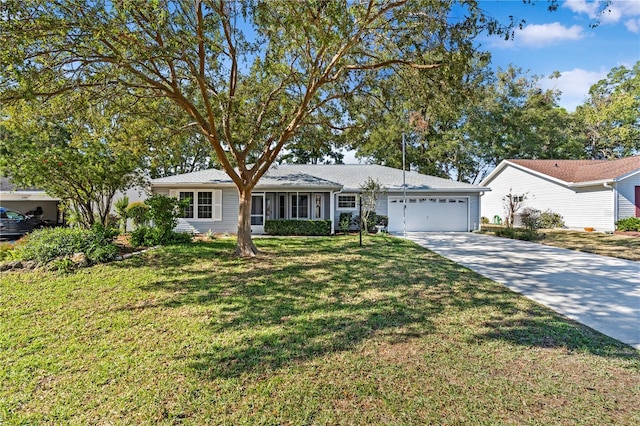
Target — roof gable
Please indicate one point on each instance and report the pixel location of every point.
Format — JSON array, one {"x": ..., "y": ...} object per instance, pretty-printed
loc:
[{"x": 580, "y": 171}]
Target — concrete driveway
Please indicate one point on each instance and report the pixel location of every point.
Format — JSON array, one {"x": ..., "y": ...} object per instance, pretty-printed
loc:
[{"x": 600, "y": 292}]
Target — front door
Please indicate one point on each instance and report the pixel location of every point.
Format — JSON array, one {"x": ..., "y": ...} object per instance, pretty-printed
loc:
[
  {"x": 257, "y": 214},
  {"x": 637, "y": 201}
]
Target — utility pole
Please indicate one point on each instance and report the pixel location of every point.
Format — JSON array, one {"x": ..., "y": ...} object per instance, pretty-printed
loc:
[
  {"x": 404, "y": 192},
  {"x": 361, "y": 221}
]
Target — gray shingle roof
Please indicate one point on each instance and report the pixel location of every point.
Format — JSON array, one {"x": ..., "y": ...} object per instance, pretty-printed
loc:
[
  {"x": 352, "y": 176},
  {"x": 348, "y": 176},
  {"x": 212, "y": 176}
]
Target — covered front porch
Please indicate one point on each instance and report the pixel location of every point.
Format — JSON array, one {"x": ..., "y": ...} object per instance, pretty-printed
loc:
[{"x": 291, "y": 205}]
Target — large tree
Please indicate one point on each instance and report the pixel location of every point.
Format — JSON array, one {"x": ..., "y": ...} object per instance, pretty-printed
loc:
[
  {"x": 517, "y": 119},
  {"x": 74, "y": 149},
  {"x": 609, "y": 120},
  {"x": 174, "y": 143},
  {"x": 250, "y": 74},
  {"x": 459, "y": 129}
]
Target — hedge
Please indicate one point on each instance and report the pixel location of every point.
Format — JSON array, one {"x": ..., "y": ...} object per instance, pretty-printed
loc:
[
  {"x": 628, "y": 224},
  {"x": 297, "y": 227}
]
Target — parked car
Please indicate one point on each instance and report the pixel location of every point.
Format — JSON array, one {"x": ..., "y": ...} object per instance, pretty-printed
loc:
[{"x": 14, "y": 224}]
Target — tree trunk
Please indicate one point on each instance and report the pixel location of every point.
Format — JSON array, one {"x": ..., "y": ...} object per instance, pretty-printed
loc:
[{"x": 245, "y": 247}]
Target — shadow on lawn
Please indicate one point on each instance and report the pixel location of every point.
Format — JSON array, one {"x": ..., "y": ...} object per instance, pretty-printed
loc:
[{"x": 311, "y": 300}]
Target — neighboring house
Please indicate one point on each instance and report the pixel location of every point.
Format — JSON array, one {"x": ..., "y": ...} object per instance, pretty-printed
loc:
[
  {"x": 587, "y": 193},
  {"x": 322, "y": 192},
  {"x": 28, "y": 200}
]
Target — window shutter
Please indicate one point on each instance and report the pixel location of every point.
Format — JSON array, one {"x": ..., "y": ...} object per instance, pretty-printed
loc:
[{"x": 217, "y": 204}]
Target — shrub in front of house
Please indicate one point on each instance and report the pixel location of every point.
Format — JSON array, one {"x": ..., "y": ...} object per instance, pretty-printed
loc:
[
  {"x": 345, "y": 221},
  {"x": 163, "y": 212},
  {"x": 628, "y": 224},
  {"x": 297, "y": 227},
  {"x": 137, "y": 211},
  {"x": 146, "y": 236},
  {"x": 45, "y": 245},
  {"x": 530, "y": 219},
  {"x": 550, "y": 220},
  {"x": 523, "y": 234}
]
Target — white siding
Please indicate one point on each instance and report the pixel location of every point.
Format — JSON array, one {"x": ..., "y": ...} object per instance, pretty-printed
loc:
[
  {"x": 626, "y": 190},
  {"x": 230, "y": 209},
  {"x": 583, "y": 207}
]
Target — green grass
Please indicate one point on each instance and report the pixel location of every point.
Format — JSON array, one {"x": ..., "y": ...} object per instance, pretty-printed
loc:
[{"x": 314, "y": 331}]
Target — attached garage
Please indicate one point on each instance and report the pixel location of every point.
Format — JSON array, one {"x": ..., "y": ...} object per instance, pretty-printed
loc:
[{"x": 429, "y": 213}]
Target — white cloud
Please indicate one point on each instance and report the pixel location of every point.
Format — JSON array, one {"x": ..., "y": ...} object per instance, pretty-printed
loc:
[
  {"x": 574, "y": 85},
  {"x": 611, "y": 13},
  {"x": 591, "y": 8},
  {"x": 633, "y": 25},
  {"x": 545, "y": 34}
]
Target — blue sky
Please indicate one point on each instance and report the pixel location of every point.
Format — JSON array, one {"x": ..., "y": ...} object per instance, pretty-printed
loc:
[{"x": 564, "y": 41}]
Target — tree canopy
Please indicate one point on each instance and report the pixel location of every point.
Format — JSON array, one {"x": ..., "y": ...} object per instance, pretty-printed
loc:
[
  {"x": 83, "y": 157},
  {"x": 249, "y": 74},
  {"x": 609, "y": 120}
]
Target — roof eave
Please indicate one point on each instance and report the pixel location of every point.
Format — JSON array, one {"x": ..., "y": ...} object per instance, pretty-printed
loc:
[
  {"x": 296, "y": 188},
  {"x": 190, "y": 184},
  {"x": 599, "y": 182},
  {"x": 528, "y": 170}
]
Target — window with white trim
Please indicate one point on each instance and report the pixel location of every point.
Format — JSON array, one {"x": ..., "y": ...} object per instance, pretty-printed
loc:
[
  {"x": 205, "y": 205},
  {"x": 346, "y": 201},
  {"x": 202, "y": 204},
  {"x": 187, "y": 212}
]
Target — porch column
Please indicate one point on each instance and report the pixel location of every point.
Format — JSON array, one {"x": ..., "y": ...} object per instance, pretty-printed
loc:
[{"x": 332, "y": 212}]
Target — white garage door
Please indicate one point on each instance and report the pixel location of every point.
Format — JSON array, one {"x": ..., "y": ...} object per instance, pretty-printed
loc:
[{"x": 429, "y": 214}]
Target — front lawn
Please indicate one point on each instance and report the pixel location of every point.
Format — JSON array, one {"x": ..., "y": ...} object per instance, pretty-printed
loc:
[{"x": 314, "y": 331}]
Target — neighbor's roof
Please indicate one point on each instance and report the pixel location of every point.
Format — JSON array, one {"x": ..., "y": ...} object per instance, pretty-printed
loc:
[
  {"x": 349, "y": 177},
  {"x": 7, "y": 186},
  {"x": 578, "y": 171},
  {"x": 10, "y": 192}
]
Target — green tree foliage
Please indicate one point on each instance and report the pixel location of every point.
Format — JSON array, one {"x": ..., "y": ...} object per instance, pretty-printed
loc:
[
  {"x": 249, "y": 74},
  {"x": 425, "y": 110},
  {"x": 462, "y": 128},
  {"x": 315, "y": 144},
  {"x": 174, "y": 143},
  {"x": 83, "y": 157},
  {"x": 609, "y": 121},
  {"x": 517, "y": 119}
]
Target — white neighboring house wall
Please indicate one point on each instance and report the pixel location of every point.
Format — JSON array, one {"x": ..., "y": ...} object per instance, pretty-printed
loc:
[
  {"x": 625, "y": 192},
  {"x": 589, "y": 206}
]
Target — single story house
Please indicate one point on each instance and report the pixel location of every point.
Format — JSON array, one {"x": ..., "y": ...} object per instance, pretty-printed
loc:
[
  {"x": 587, "y": 193},
  {"x": 323, "y": 192},
  {"x": 29, "y": 200}
]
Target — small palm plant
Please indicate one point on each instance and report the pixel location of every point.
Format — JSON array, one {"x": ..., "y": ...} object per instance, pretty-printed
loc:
[{"x": 121, "y": 210}]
